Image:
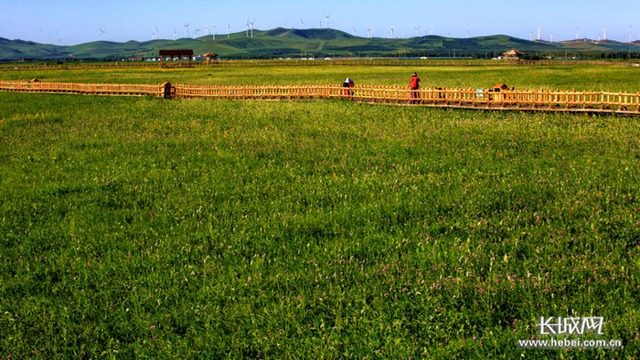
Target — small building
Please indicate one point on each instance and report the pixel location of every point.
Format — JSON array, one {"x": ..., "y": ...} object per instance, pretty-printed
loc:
[
  {"x": 175, "y": 53},
  {"x": 500, "y": 87},
  {"x": 210, "y": 57},
  {"x": 495, "y": 93},
  {"x": 513, "y": 54}
]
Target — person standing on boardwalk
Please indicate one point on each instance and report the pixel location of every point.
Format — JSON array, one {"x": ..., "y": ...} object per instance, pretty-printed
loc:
[
  {"x": 348, "y": 84},
  {"x": 415, "y": 86}
]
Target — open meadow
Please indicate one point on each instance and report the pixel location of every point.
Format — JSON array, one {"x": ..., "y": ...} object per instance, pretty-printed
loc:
[
  {"x": 558, "y": 77},
  {"x": 150, "y": 228}
]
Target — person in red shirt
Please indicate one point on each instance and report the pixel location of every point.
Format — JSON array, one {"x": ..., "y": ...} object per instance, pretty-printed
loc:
[{"x": 415, "y": 86}]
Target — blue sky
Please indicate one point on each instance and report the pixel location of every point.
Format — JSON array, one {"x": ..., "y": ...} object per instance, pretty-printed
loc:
[{"x": 73, "y": 21}]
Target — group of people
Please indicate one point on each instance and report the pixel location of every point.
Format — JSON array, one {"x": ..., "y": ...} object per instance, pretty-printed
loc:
[{"x": 414, "y": 84}]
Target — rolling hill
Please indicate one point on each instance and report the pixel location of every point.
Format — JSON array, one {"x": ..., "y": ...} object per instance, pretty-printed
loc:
[{"x": 282, "y": 42}]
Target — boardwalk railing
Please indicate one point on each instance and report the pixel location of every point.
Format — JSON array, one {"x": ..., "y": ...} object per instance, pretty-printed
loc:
[
  {"x": 576, "y": 101},
  {"x": 320, "y": 62},
  {"x": 414, "y": 62},
  {"x": 530, "y": 100},
  {"x": 81, "y": 88}
]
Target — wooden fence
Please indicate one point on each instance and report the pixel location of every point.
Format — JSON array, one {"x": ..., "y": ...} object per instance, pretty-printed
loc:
[
  {"x": 524, "y": 100},
  {"x": 320, "y": 62},
  {"x": 83, "y": 89},
  {"x": 542, "y": 100},
  {"x": 415, "y": 62}
]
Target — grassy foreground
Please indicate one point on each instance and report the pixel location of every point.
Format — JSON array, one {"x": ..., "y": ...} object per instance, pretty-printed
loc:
[{"x": 219, "y": 229}]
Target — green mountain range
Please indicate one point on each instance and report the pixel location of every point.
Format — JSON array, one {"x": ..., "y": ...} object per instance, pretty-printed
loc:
[{"x": 281, "y": 42}]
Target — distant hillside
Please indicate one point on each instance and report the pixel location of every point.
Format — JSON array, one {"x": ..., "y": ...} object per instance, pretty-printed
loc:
[{"x": 281, "y": 42}]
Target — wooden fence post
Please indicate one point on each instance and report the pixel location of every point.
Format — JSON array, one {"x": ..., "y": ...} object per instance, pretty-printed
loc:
[{"x": 165, "y": 90}]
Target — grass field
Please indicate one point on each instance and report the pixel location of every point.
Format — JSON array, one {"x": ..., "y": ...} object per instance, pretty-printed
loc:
[
  {"x": 622, "y": 79},
  {"x": 137, "y": 227}
]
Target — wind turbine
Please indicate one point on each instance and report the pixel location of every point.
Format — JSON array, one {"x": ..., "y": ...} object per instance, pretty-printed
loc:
[
  {"x": 252, "y": 23},
  {"x": 370, "y": 32},
  {"x": 354, "y": 31},
  {"x": 186, "y": 30},
  {"x": 101, "y": 32},
  {"x": 417, "y": 31},
  {"x": 228, "y": 30},
  {"x": 605, "y": 34},
  {"x": 174, "y": 34},
  {"x": 157, "y": 32},
  {"x": 327, "y": 20},
  {"x": 301, "y": 23},
  {"x": 197, "y": 33},
  {"x": 530, "y": 35},
  {"x": 206, "y": 30},
  {"x": 577, "y": 34},
  {"x": 214, "y": 31},
  {"x": 551, "y": 39},
  {"x": 468, "y": 34},
  {"x": 246, "y": 29},
  {"x": 320, "y": 22},
  {"x": 392, "y": 32},
  {"x": 539, "y": 32},
  {"x": 432, "y": 30}
]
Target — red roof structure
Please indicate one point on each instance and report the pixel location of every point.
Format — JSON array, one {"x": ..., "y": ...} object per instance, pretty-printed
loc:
[{"x": 175, "y": 53}]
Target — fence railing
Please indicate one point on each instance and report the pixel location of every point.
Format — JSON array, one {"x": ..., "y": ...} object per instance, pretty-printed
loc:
[
  {"x": 321, "y": 62},
  {"x": 415, "y": 62},
  {"x": 83, "y": 88},
  {"x": 539, "y": 100},
  {"x": 445, "y": 97}
]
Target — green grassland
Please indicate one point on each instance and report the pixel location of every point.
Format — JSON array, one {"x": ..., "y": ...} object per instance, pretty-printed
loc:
[
  {"x": 149, "y": 228},
  {"x": 563, "y": 77}
]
